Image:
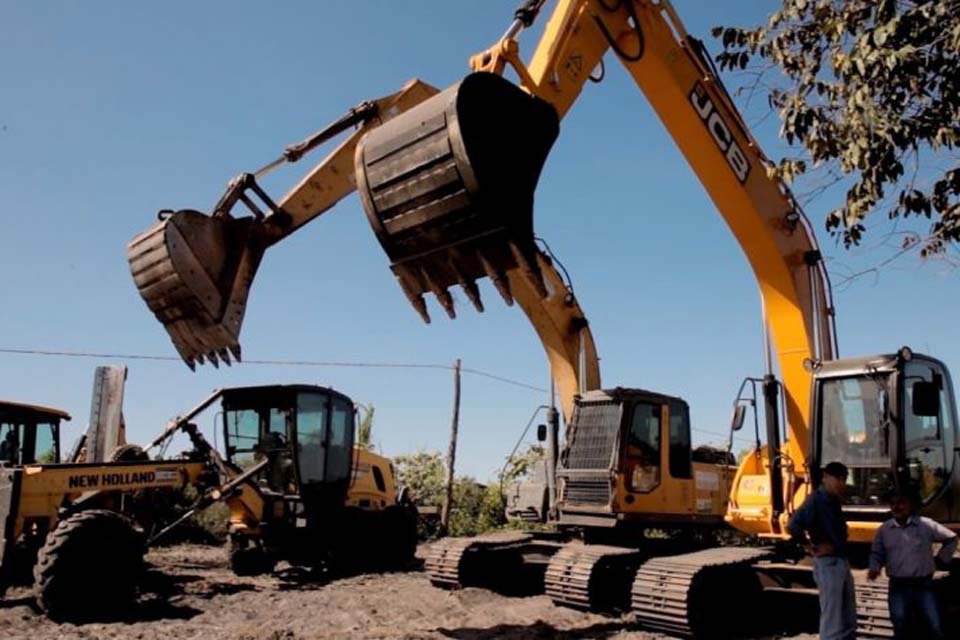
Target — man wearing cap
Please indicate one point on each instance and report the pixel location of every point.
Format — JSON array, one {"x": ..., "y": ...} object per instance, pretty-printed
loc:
[
  {"x": 819, "y": 526},
  {"x": 904, "y": 545}
]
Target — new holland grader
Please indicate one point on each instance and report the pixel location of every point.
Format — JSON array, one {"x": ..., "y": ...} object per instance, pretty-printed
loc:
[{"x": 297, "y": 489}]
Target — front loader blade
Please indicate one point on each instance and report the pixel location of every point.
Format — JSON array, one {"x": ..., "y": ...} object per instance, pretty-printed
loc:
[
  {"x": 194, "y": 271},
  {"x": 448, "y": 188}
]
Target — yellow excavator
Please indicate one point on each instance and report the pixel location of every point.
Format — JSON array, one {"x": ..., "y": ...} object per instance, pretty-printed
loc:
[{"x": 448, "y": 187}]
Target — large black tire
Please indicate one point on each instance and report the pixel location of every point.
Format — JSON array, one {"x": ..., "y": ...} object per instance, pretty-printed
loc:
[
  {"x": 247, "y": 558},
  {"x": 90, "y": 566}
]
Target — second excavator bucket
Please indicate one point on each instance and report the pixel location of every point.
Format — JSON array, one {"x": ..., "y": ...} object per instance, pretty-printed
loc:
[
  {"x": 448, "y": 188},
  {"x": 194, "y": 272}
]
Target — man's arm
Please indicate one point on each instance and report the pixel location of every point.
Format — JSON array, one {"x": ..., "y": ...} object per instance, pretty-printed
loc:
[
  {"x": 948, "y": 539},
  {"x": 878, "y": 555},
  {"x": 800, "y": 521}
]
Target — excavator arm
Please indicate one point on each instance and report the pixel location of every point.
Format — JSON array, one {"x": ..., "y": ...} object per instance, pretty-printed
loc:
[
  {"x": 673, "y": 71},
  {"x": 194, "y": 270}
]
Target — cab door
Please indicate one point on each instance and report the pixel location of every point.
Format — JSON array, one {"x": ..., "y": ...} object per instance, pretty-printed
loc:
[{"x": 644, "y": 456}]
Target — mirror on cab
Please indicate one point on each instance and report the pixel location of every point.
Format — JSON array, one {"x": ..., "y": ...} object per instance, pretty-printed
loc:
[
  {"x": 542, "y": 432},
  {"x": 739, "y": 412},
  {"x": 926, "y": 398}
]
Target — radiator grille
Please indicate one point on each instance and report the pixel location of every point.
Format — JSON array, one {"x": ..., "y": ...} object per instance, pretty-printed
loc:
[
  {"x": 594, "y": 436},
  {"x": 590, "y": 453}
]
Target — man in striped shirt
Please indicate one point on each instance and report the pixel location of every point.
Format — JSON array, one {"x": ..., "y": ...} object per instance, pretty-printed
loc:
[{"x": 904, "y": 545}]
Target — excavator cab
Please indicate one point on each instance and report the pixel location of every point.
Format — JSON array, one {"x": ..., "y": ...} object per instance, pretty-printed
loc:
[
  {"x": 29, "y": 434},
  {"x": 892, "y": 419},
  {"x": 629, "y": 453}
]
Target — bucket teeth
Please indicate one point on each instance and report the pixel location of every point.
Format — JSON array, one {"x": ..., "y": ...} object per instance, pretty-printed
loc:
[
  {"x": 235, "y": 350},
  {"x": 530, "y": 270},
  {"x": 442, "y": 294},
  {"x": 499, "y": 280},
  {"x": 473, "y": 293},
  {"x": 224, "y": 356},
  {"x": 468, "y": 285},
  {"x": 411, "y": 289},
  {"x": 212, "y": 357}
]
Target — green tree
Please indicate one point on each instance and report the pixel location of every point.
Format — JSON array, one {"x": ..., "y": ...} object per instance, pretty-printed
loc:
[
  {"x": 870, "y": 90},
  {"x": 423, "y": 473},
  {"x": 365, "y": 430},
  {"x": 522, "y": 464},
  {"x": 476, "y": 507}
]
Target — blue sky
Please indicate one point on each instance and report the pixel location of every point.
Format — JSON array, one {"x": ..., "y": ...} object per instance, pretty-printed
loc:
[{"x": 111, "y": 111}]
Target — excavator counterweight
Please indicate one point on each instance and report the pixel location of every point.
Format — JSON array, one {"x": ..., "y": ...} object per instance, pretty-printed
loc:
[{"x": 448, "y": 188}]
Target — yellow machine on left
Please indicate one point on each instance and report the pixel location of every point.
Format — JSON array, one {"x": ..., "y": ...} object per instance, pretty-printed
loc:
[{"x": 296, "y": 486}]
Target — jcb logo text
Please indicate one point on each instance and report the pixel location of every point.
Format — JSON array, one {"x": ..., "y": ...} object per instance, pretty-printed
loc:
[{"x": 720, "y": 132}]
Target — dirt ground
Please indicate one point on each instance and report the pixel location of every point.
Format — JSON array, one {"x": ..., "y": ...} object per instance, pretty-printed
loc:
[{"x": 191, "y": 593}]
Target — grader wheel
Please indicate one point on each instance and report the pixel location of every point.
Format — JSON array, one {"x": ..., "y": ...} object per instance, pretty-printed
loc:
[{"x": 89, "y": 566}]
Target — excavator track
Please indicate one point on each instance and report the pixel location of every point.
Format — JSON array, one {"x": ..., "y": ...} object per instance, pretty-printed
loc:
[
  {"x": 455, "y": 563},
  {"x": 676, "y": 595},
  {"x": 591, "y": 576}
]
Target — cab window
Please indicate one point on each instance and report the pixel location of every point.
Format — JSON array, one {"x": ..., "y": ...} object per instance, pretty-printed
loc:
[
  {"x": 643, "y": 447},
  {"x": 680, "y": 465},
  {"x": 11, "y": 435},
  {"x": 46, "y": 451},
  {"x": 243, "y": 435},
  {"x": 311, "y": 435},
  {"x": 926, "y": 437},
  {"x": 341, "y": 435}
]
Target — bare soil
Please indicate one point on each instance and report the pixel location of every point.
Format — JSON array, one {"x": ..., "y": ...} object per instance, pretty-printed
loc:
[{"x": 191, "y": 593}]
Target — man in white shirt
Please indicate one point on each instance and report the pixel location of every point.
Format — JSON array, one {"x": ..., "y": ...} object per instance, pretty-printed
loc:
[{"x": 904, "y": 545}]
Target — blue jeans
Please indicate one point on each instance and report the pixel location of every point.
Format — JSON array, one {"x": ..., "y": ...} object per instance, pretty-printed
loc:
[
  {"x": 838, "y": 605},
  {"x": 913, "y": 609}
]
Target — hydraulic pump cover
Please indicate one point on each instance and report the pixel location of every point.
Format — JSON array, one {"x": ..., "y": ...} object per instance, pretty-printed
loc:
[{"x": 448, "y": 187}]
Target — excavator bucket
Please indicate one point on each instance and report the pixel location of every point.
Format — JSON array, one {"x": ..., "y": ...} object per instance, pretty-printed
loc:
[
  {"x": 448, "y": 188},
  {"x": 194, "y": 271}
]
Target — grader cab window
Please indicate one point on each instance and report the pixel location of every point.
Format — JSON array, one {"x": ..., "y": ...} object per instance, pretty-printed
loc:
[
  {"x": 29, "y": 442},
  {"x": 243, "y": 435},
  {"x": 341, "y": 436},
  {"x": 311, "y": 434},
  {"x": 10, "y": 438},
  {"x": 46, "y": 450}
]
